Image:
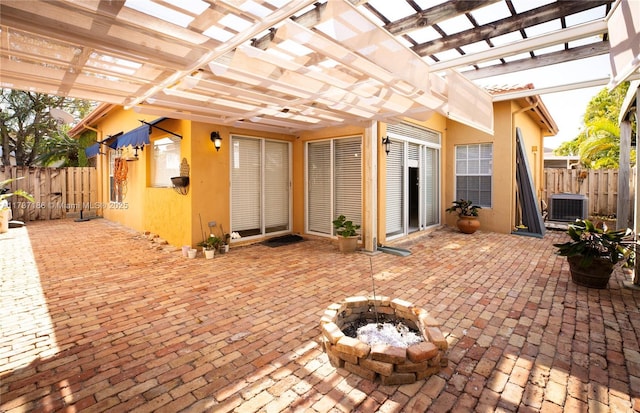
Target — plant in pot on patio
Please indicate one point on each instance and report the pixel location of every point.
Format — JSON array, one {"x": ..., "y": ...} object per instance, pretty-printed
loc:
[
  {"x": 210, "y": 245},
  {"x": 468, "y": 222},
  {"x": 5, "y": 210},
  {"x": 593, "y": 252},
  {"x": 347, "y": 234},
  {"x": 224, "y": 241}
]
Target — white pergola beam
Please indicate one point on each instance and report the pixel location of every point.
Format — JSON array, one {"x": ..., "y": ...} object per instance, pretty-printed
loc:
[
  {"x": 555, "y": 89},
  {"x": 495, "y": 53}
]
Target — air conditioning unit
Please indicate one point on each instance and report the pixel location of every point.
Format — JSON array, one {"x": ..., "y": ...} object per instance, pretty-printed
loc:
[{"x": 568, "y": 207}]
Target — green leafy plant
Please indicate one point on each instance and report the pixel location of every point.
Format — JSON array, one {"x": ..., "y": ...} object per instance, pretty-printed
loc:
[
  {"x": 464, "y": 208},
  {"x": 344, "y": 227},
  {"x": 591, "y": 242},
  {"x": 210, "y": 243},
  {"x": 5, "y": 194}
]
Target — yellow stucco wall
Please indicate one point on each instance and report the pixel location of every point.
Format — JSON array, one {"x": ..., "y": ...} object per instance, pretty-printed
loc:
[
  {"x": 179, "y": 219},
  {"x": 211, "y": 179},
  {"x": 131, "y": 212},
  {"x": 182, "y": 219},
  {"x": 501, "y": 217},
  {"x": 533, "y": 137},
  {"x": 166, "y": 212}
]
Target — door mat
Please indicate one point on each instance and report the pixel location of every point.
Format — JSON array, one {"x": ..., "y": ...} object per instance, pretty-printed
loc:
[{"x": 283, "y": 240}]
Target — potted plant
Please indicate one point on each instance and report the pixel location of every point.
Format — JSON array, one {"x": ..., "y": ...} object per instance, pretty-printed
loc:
[
  {"x": 210, "y": 245},
  {"x": 593, "y": 252},
  {"x": 5, "y": 210},
  {"x": 468, "y": 222},
  {"x": 347, "y": 234},
  {"x": 224, "y": 241}
]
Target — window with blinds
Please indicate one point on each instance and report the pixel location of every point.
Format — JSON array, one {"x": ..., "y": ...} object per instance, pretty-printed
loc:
[
  {"x": 474, "y": 169},
  {"x": 334, "y": 183},
  {"x": 260, "y": 195},
  {"x": 347, "y": 167}
]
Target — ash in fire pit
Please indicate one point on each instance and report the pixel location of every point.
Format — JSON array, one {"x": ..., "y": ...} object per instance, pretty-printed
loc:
[
  {"x": 397, "y": 359},
  {"x": 398, "y": 334},
  {"x": 393, "y": 335}
]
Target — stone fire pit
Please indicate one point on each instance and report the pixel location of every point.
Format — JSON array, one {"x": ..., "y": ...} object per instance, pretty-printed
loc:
[{"x": 393, "y": 365}]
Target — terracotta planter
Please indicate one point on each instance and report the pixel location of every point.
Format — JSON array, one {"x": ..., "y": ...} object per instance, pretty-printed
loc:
[
  {"x": 468, "y": 225},
  {"x": 596, "y": 275},
  {"x": 347, "y": 244}
]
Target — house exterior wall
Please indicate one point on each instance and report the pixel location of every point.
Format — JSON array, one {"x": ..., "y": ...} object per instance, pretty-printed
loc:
[
  {"x": 507, "y": 116},
  {"x": 182, "y": 219},
  {"x": 164, "y": 211},
  {"x": 211, "y": 179},
  {"x": 533, "y": 137},
  {"x": 436, "y": 123},
  {"x": 174, "y": 217},
  {"x": 130, "y": 213}
]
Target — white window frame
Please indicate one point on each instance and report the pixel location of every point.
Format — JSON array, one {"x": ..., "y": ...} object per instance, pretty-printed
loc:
[
  {"x": 483, "y": 168},
  {"x": 164, "y": 180}
]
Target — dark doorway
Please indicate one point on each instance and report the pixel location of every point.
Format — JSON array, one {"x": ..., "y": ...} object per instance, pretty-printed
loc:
[{"x": 414, "y": 199}]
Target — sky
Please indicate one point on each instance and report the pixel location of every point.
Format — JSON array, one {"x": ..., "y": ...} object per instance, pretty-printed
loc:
[{"x": 567, "y": 108}]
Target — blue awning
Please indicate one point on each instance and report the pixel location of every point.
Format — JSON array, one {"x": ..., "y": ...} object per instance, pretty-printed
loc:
[
  {"x": 94, "y": 149},
  {"x": 137, "y": 137}
]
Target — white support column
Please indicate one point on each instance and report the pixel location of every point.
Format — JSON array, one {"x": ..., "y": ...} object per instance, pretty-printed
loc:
[
  {"x": 624, "y": 166},
  {"x": 370, "y": 187},
  {"x": 636, "y": 210}
]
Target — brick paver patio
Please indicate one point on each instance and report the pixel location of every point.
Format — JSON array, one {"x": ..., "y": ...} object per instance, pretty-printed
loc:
[{"x": 94, "y": 319}]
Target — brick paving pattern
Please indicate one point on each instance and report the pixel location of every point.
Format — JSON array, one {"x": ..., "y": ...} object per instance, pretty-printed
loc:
[{"x": 95, "y": 318}]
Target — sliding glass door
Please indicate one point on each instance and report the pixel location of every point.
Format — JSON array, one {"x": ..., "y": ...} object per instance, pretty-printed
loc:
[
  {"x": 260, "y": 186},
  {"x": 333, "y": 183}
]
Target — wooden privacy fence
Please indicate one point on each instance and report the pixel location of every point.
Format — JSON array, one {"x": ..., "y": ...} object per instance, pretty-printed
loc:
[
  {"x": 58, "y": 192},
  {"x": 600, "y": 186}
]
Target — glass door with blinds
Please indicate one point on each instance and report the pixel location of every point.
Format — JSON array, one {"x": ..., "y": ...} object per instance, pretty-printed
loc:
[
  {"x": 260, "y": 186},
  {"x": 333, "y": 183},
  {"x": 412, "y": 180},
  {"x": 395, "y": 192}
]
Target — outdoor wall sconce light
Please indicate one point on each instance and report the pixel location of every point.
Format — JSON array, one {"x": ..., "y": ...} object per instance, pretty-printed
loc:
[
  {"x": 216, "y": 139},
  {"x": 136, "y": 148},
  {"x": 387, "y": 144}
]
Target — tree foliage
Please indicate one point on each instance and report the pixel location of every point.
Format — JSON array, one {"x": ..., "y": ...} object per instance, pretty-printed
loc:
[
  {"x": 598, "y": 142},
  {"x": 29, "y": 132}
]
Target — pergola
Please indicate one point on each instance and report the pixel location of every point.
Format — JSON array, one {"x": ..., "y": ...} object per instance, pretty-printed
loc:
[{"x": 290, "y": 65}]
